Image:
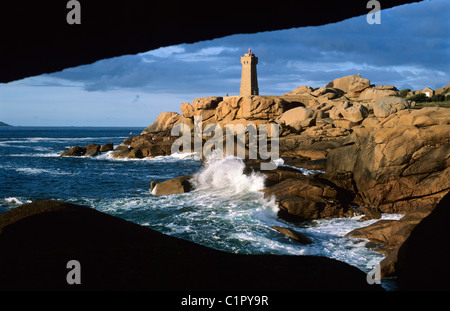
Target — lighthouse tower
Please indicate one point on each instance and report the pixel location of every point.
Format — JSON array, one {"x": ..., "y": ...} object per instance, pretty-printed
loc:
[{"x": 249, "y": 79}]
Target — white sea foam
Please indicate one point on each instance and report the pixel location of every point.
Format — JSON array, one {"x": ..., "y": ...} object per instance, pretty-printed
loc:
[
  {"x": 169, "y": 158},
  {"x": 13, "y": 201},
  {"x": 227, "y": 174},
  {"x": 185, "y": 155},
  {"x": 280, "y": 162},
  {"x": 32, "y": 141},
  {"x": 62, "y": 139},
  {"x": 154, "y": 190},
  {"x": 37, "y": 155},
  {"x": 36, "y": 171}
]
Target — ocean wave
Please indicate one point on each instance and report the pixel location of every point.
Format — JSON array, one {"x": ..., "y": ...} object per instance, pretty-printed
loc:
[
  {"x": 13, "y": 201},
  {"x": 37, "y": 171},
  {"x": 18, "y": 143},
  {"x": 62, "y": 139},
  {"x": 226, "y": 174},
  {"x": 169, "y": 158},
  {"x": 37, "y": 155}
]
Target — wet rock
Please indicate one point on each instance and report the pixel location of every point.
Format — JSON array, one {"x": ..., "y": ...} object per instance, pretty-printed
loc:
[
  {"x": 295, "y": 235},
  {"x": 390, "y": 233},
  {"x": 387, "y": 236},
  {"x": 172, "y": 186},
  {"x": 107, "y": 147},
  {"x": 92, "y": 150},
  {"x": 75, "y": 151},
  {"x": 121, "y": 153},
  {"x": 370, "y": 213},
  {"x": 306, "y": 197},
  {"x": 377, "y": 232}
]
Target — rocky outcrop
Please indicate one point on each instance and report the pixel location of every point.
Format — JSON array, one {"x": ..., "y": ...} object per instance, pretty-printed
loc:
[
  {"x": 301, "y": 197},
  {"x": 378, "y": 92},
  {"x": 260, "y": 108},
  {"x": 90, "y": 150},
  {"x": 415, "y": 247},
  {"x": 75, "y": 151},
  {"x": 107, "y": 147},
  {"x": 164, "y": 121},
  {"x": 144, "y": 145},
  {"x": 297, "y": 118},
  {"x": 386, "y": 235},
  {"x": 221, "y": 111},
  {"x": 37, "y": 240},
  {"x": 353, "y": 84},
  {"x": 352, "y": 112},
  {"x": 329, "y": 111},
  {"x": 356, "y": 87},
  {"x": 400, "y": 164},
  {"x": 384, "y": 107},
  {"x": 301, "y": 90},
  {"x": 172, "y": 186}
]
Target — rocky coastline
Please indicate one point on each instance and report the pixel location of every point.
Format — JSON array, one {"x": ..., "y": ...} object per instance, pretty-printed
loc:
[{"x": 374, "y": 153}]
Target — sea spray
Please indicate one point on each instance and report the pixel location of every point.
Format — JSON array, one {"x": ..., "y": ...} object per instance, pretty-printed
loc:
[{"x": 226, "y": 173}]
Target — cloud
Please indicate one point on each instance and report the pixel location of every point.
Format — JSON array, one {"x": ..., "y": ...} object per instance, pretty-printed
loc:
[
  {"x": 409, "y": 47},
  {"x": 164, "y": 51}
]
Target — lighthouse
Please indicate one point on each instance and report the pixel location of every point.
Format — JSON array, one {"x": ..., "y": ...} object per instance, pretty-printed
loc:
[{"x": 249, "y": 79}]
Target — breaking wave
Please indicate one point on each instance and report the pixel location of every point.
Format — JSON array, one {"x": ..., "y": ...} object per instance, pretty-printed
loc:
[{"x": 227, "y": 174}]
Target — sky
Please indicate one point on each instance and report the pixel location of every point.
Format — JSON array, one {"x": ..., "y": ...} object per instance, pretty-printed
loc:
[{"x": 410, "y": 48}]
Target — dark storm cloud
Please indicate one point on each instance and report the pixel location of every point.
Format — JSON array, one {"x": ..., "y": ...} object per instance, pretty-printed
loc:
[{"x": 410, "y": 48}]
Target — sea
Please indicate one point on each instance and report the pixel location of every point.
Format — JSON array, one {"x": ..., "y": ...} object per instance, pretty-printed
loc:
[{"x": 225, "y": 211}]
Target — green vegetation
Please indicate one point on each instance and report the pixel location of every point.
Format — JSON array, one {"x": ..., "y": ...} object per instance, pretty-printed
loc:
[
  {"x": 403, "y": 93},
  {"x": 445, "y": 104},
  {"x": 421, "y": 100}
]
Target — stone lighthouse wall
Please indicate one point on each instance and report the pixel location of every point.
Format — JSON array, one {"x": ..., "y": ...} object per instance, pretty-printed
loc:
[{"x": 249, "y": 79}]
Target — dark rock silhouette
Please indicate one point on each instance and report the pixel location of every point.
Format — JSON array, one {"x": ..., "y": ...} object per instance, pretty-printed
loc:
[
  {"x": 422, "y": 260},
  {"x": 38, "y": 239},
  {"x": 43, "y": 42}
]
